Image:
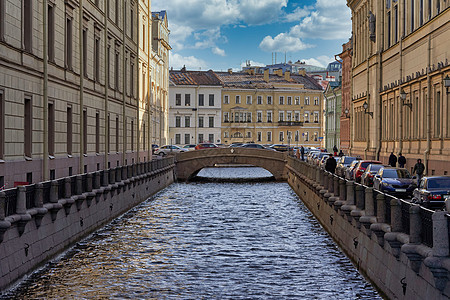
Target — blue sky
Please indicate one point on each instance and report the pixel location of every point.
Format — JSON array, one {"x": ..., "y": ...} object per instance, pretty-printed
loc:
[{"x": 223, "y": 34}]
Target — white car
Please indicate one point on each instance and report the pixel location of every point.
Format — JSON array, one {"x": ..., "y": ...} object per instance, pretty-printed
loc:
[
  {"x": 189, "y": 147},
  {"x": 168, "y": 149}
]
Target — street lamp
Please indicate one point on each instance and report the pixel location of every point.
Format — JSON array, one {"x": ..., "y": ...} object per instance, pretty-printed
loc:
[
  {"x": 403, "y": 98},
  {"x": 366, "y": 106},
  {"x": 447, "y": 83},
  {"x": 346, "y": 111}
]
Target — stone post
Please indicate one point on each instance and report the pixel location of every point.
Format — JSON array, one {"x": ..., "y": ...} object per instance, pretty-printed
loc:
[
  {"x": 67, "y": 187},
  {"x": 359, "y": 191},
  {"x": 336, "y": 186},
  {"x": 317, "y": 175},
  {"x": 342, "y": 190},
  {"x": 330, "y": 183},
  {"x": 54, "y": 191},
  {"x": 89, "y": 182},
  {"x": 350, "y": 192},
  {"x": 415, "y": 225},
  {"x": 2, "y": 206},
  {"x": 79, "y": 188},
  {"x": 105, "y": 177},
  {"x": 112, "y": 176},
  {"x": 38, "y": 195},
  {"x": 118, "y": 174},
  {"x": 21, "y": 206},
  {"x": 97, "y": 180},
  {"x": 381, "y": 208},
  {"x": 369, "y": 205},
  {"x": 396, "y": 216},
  {"x": 440, "y": 234}
]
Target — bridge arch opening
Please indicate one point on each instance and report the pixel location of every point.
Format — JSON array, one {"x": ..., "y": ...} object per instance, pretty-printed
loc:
[{"x": 232, "y": 173}]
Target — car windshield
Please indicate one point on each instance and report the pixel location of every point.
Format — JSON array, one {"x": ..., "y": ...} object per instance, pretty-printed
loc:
[
  {"x": 349, "y": 160},
  {"x": 396, "y": 173},
  {"x": 375, "y": 168},
  {"x": 439, "y": 183}
]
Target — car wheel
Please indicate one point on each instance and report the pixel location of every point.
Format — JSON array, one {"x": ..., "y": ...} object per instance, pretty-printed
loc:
[{"x": 162, "y": 154}]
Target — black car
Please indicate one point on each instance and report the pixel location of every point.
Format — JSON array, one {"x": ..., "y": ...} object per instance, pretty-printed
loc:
[
  {"x": 432, "y": 192},
  {"x": 394, "y": 181},
  {"x": 343, "y": 163}
]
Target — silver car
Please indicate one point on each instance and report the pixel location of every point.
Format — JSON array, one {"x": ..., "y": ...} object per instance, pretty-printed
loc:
[{"x": 169, "y": 149}]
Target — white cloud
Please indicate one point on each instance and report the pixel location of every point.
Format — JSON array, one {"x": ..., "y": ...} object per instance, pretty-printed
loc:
[
  {"x": 320, "y": 61},
  {"x": 283, "y": 43},
  {"x": 298, "y": 14},
  {"x": 253, "y": 64},
  {"x": 218, "y": 51},
  {"x": 191, "y": 62}
]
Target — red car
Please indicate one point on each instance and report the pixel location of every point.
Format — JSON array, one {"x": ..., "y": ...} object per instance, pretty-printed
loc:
[
  {"x": 205, "y": 146},
  {"x": 361, "y": 167}
]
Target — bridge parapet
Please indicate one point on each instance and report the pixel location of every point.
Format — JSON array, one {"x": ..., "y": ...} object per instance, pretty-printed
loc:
[{"x": 188, "y": 164}]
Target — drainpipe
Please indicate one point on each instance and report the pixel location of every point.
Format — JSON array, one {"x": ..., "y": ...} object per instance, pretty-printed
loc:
[
  {"x": 107, "y": 133},
  {"x": 335, "y": 118},
  {"x": 326, "y": 121},
  {"x": 368, "y": 98},
  {"x": 427, "y": 151},
  {"x": 379, "y": 124},
  {"x": 400, "y": 87},
  {"x": 83, "y": 141},
  {"x": 196, "y": 114},
  {"x": 45, "y": 91}
]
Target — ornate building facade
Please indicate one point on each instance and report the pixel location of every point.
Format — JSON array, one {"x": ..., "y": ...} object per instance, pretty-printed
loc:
[
  {"x": 399, "y": 100},
  {"x": 74, "y": 86}
]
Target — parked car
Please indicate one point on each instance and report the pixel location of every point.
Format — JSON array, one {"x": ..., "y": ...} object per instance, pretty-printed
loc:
[
  {"x": 320, "y": 156},
  {"x": 254, "y": 146},
  {"x": 169, "y": 149},
  {"x": 280, "y": 147},
  {"x": 342, "y": 163},
  {"x": 221, "y": 145},
  {"x": 369, "y": 174},
  {"x": 361, "y": 167},
  {"x": 205, "y": 146},
  {"x": 189, "y": 147},
  {"x": 433, "y": 192},
  {"x": 234, "y": 145},
  {"x": 394, "y": 181},
  {"x": 154, "y": 148},
  {"x": 350, "y": 170}
]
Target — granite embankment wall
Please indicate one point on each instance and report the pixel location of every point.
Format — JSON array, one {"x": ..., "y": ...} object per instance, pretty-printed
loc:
[
  {"x": 41, "y": 220},
  {"x": 402, "y": 248}
]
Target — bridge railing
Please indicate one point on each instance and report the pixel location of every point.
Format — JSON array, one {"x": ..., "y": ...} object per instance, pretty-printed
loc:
[{"x": 378, "y": 212}]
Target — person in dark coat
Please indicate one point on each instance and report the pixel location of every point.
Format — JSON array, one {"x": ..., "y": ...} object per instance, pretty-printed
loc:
[
  {"x": 392, "y": 160},
  {"x": 302, "y": 152},
  {"x": 335, "y": 150},
  {"x": 330, "y": 164},
  {"x": 341, "y": 153},
  {"x": 419, "y": 168},
  {"x": 401, "y": 160}
]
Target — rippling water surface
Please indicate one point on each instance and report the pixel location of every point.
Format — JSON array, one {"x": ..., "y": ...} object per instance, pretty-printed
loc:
[{"x": 206, "y": 241}]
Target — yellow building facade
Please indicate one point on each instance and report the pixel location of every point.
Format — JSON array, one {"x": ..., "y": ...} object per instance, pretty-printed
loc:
[
  {"x": 400, "y": 60},
  {"x": 271, "y": 109}
]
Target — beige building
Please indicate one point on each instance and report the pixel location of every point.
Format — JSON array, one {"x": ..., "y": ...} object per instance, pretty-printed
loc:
[
  {"x": 270, "y": 109},
  {"x": 400, "y": 58},
  {"x": 74, "y": 86}
]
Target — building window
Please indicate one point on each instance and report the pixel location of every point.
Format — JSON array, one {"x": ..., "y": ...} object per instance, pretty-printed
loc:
[
  {"x": 97, "y": 59},
  {"x": 187, "y": 138},
  {"x": 178, "y": 99},
  {"x": 249, "y": 117},
  {"x": 200, "y": 122},
  {"x": 177, "y": 138},
  {"x": 412, "y": 13},
  {"x": 259, "y": 99},
  {"x": 177, "y": 121},
  {"x": 306, "y": 117},
  {"x": 297, "y": 135},
  {"x": 132, "y": 135},
  {"x": 437, "y": 115},
  {"x": 69, "y": 130},
  {"x": 28, "y": 127},
  {"x": 269, "y": 100},
  {"x": 281, "y": 136},
  {"x": 259, "y": 116},
  {"x": 187, "y": 121},
  {"x": 85, "y": 126},
  {"x": 289, "y": 100},
  {"x": 396, "y": 24},
  {"x": 69, "y": 43},
  {"x": 200, "y": 138},
  {"x": 281, "y": 100},
  {"x": 226, "y": 117},
  {"x": 27, "y": 25},
  {"x": 259, "y": 136},
  {"x": 117, "y": 12},
  {"x": 269, "y": 116},
  {"x": 51, "y": 129},
  {"x": 297, "y": 101},
  {"x": 316, "y": 117},
  {"x": 420, "y": 13},
  {"x": 108, "y": 136},
  {"x": 211, "y": 122},
  {"x": 316, "y": 100},
  {"x": 132, "y": 77},
  {"x": 211, "y": 137},
  {"x": 316, "y": 136},
  {"x": 388, "y": 36},
  {"x": 249, "y": 99},
  {"x": 50, "y": 32},
  {"x": 187, "y": 99},
  {"x": 226, "y": 99},
  {"x": 269, "y": 136},
  {"x": 238, "y": 99},
  {"x": 97, "y": 132},
  {"x": 2, "y": 24},
  {"x": 306, "y": 101},
  {"x": 289, "y": 116},
  {"x": 211, "y": 99},
  {"x": 117, "y": 134},
  {"x": 116, "y": 70},
  {"x": 226, "y": 134},
  {"x": 281, "y": 116},
  {"x": 297, "y": 116},
  {"x": 2, "y": 127},
  {"x": 201, "y": 100},
  {"x": 85, "y": 48},
  {"x": 306, "y": 136}
]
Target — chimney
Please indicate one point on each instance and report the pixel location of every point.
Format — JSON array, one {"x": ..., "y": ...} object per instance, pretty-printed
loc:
[
  {"x": 279, "y": 72},
  {"x": 266, "y": 75},
  {"x": 183, "y": 69},
  {"x": 287, "y": 75},
  {"x": 302, "y": 72},
  {"x": 230, "y": 71}
]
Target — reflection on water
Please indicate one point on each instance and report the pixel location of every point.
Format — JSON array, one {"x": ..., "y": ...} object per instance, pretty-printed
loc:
[{"x": 206, "y": 241}]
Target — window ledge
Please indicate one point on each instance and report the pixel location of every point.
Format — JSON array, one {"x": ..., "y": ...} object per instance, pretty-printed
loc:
[
  {"x": 51, "y": 157},
  {"x": 28, "y": 158}
]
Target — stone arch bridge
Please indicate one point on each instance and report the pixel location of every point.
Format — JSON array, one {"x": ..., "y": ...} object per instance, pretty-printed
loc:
[{"x": 188, "y": 164}]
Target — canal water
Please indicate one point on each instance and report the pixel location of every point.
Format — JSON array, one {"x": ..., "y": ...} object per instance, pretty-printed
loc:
[{"x": 205, "y": 241}]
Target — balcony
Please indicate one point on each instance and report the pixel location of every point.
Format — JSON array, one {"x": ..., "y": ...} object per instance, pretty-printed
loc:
[{"x": 290, "y": 123}]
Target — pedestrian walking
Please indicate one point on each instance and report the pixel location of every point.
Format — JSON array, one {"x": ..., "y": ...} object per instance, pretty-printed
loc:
[
  {"x": 341, "y": 153},
  {"x": 335, "y": 150},
  {"x": 302, "y": 152},
  {"x": 401, "y": 160},
  {"x": 330, "y": 164},
  {"x": 392, "y": 160},
  {"x": 419, "y": 168}
]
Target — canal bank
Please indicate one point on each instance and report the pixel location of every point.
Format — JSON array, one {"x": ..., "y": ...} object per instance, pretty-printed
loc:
[
  {"x": 40, "y": 221},
  {"x": 401, "y": 247}
]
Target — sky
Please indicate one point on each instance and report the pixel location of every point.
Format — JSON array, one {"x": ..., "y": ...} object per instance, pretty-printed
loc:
[{"x": 224, "y": 34}]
